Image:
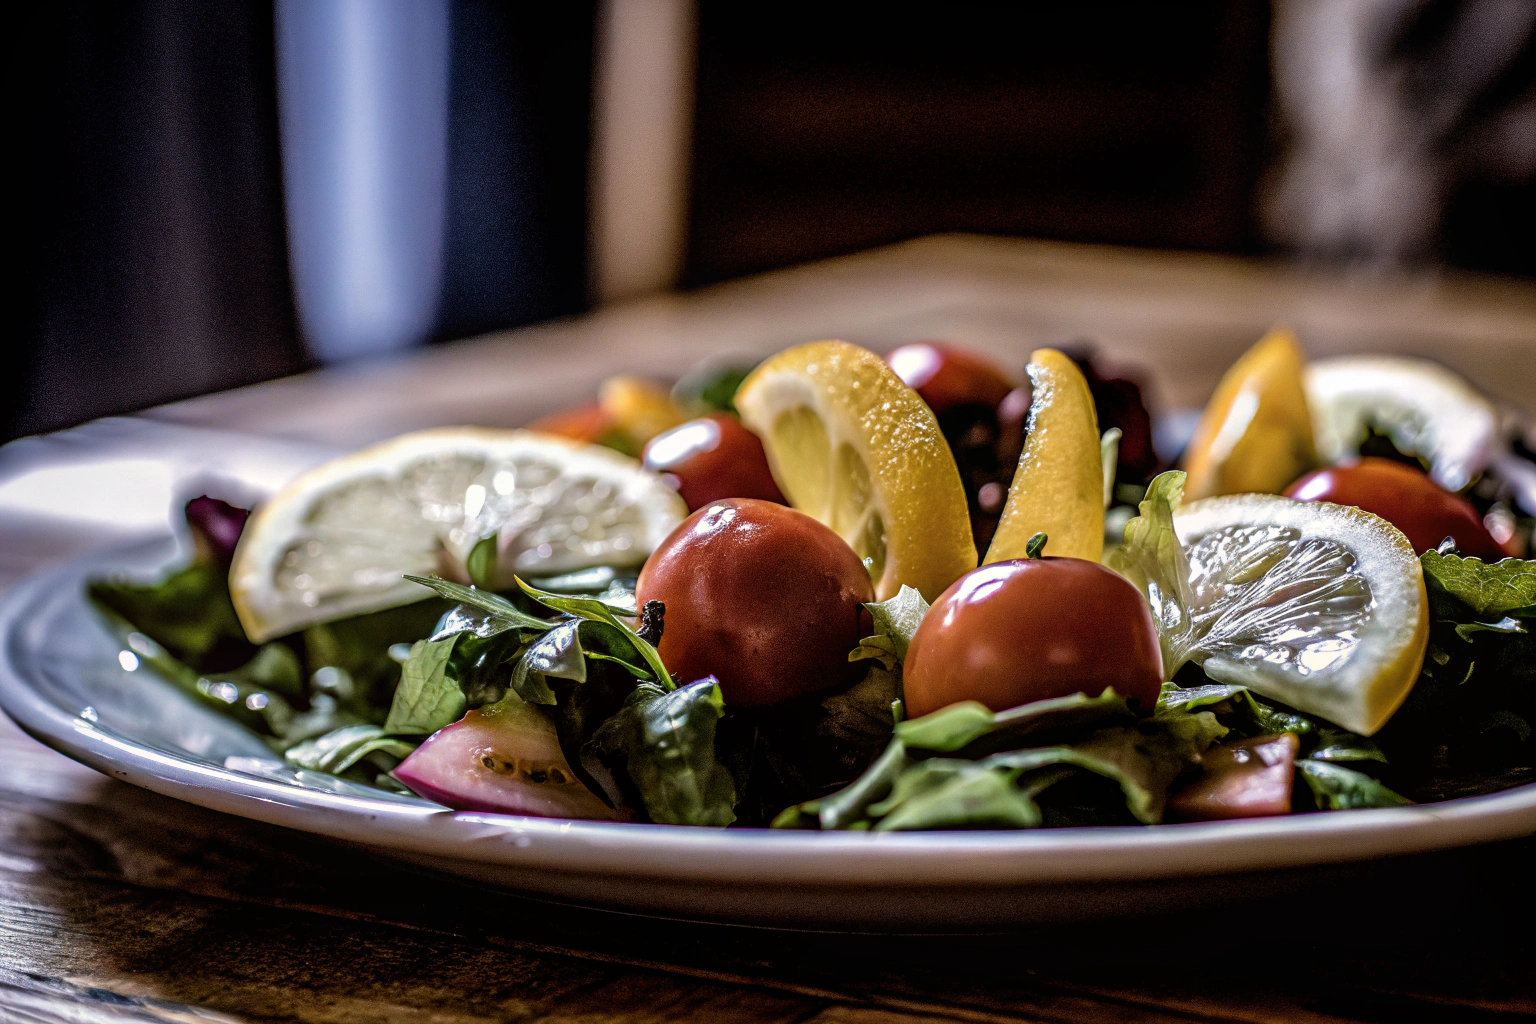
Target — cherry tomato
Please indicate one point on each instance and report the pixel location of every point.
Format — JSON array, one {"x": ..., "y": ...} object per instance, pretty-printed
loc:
[
  {"x": 761, "y": 596},
  {"x": 711, "y": 458},
  {"x": 947, "y": 376},
  {"x": 1249, "y": 778},
  {"x": 1404, "y": 497},
  {"x": 1029, "y": 629}
]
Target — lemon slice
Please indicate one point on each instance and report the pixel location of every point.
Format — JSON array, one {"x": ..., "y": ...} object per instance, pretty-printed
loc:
[
  {"x": 1256, "y": 433},
  {"x": 336, "y": 541},
  {"x": 1059, "y": 486},
  {"x": 1425, "y": 408},
  {"x": 1318, "y": 605},
  {"x": 854, "y": 447}
]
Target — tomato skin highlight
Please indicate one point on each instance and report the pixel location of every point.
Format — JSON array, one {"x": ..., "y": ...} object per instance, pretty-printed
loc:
[
  {"x": 1030, "y": 629},
  {"x": 946, "y": 375},
  {"x": 760, "y": 595},
  {"x": 713, "y": 457},
  {"x": 1250, "y": 778},
  {"x": 1404, "y": 497}
]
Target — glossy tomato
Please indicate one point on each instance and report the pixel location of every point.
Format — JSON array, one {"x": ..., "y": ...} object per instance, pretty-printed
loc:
[
  {"x": 761, "y": 596},
  {"x": 1404, "y": 497},
  {"x": 711, "y": 458},
  {"x": 947, "y": 376},
  {"x": 1029, "y": 629}
]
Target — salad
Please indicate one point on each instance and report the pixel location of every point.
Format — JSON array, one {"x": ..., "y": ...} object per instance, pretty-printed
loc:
[{"x": 841, "y": 591}]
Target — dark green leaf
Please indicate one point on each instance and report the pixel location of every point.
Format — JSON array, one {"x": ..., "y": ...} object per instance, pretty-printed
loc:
[
  {"x": 709, "y": 388},
  {"x": 360, "y": 645},
  {"x": 188, "y": 613},
  {"x": 622, "y": 642},
  {"x": 509, "y": 614},
  {"x": 1336, "y": 788},
  {"x": 1342, "y": 745},
  {"x": 558, "y": 653},
  {"x": 664, "y": 741},
  {"x": 842, "y": 809},
  {"x": 427, "y": 699}
]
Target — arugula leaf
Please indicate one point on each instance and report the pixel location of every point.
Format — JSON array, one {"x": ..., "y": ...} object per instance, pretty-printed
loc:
[
  {"x": 664, "y": 741},
  {"x": 427, "y": 699},
  {"x": 1336, "y": 788},
  {"x": 337, "y": 751},
  {"x": 960, "y": 725},
  {"x": 623, "y": 644},
  {"x": 503, "y": 614},
  {"x": 189, "y": 613},
  {"x": 896, "y": 620},
  {"x": 1153, "y": 559},
  {"x": 1493, "y": 591}
]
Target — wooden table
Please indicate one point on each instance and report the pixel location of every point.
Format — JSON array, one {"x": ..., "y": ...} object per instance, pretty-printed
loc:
[{"x": 117, "y": 904}]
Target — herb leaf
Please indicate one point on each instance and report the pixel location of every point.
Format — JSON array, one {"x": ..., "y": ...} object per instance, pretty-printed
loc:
[
  {"x": 427, "y": 699},
  {"x": 1336, "y": 788},
  {"x": 641, "y": 657},
  {"x": 664, "y": 741}
]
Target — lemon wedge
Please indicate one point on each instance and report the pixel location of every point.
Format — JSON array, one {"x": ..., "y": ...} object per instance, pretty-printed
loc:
[
  {"x": 1256, "y": 433},
  {"x": 337, "y": 541},
  {"x": 1425, "y": 408},
  {"x": 851, "y": 445},
  {"x": 1059, "y": 486},
  {"x": 1318, "y": 605}
]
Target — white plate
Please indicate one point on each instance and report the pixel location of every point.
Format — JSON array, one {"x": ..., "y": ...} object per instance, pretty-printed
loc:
[{"x": 61, "y": 680}]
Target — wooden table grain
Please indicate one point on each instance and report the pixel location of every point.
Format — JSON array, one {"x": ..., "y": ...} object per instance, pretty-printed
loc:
[{"x": 120, "y": 905}]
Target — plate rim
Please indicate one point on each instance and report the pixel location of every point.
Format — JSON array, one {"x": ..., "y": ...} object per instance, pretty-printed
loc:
[{"x": 681, "y": 854}]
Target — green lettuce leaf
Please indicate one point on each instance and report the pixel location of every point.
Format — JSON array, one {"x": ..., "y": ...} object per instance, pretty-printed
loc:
[
  {"x": 896, "y": 621},
  {"x": 904, "y": 790},
  {"x": 1491, "y": 590},
  {"x": 1154, "y": 560},
  {"x": 337, "y": 751},
  {"x": 428, "y": 698},
  {"x": 663, "y": 741}
]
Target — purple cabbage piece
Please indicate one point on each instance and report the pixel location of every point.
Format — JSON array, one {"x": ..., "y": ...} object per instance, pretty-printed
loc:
[{"x": 216, "y": 527}]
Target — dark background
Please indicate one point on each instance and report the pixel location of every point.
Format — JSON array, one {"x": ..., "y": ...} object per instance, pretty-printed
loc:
[{"x": 152, "y": 237}]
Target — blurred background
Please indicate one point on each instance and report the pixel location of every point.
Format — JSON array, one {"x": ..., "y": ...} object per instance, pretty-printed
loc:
[{"x": 220, "y": 192}]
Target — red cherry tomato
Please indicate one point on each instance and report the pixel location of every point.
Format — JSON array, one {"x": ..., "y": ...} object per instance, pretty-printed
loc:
[
  {"x": 711, "y": 458},
  {"x": 947, "y": 376},
  {"x": 761, "y": 596},
  {"x": 1029, "y": 629},
  {"x": 1404, "y": 497}
]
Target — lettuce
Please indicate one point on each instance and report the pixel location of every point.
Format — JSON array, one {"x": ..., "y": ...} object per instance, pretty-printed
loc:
[{"x": 1152, "y": 558}]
